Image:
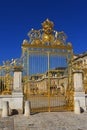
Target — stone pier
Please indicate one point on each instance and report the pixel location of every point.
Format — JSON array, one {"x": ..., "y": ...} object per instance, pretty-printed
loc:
[
  {"x": 15, "y": 100},
  {"x": 17, "y": 93},
  {"x": 79, "y": 94}
]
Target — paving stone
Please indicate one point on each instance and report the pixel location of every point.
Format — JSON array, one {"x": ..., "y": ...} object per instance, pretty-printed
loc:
[{"x": 49, "y": 121}]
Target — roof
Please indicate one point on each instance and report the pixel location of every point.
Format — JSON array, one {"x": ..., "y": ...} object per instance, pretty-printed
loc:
[{"x": 78, "y": 56}]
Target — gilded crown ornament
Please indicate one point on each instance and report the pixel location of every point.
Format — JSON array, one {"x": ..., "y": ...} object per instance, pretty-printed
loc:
[
  {"x": 47, "y": 26},
  {"x": 46, "y": 35}
]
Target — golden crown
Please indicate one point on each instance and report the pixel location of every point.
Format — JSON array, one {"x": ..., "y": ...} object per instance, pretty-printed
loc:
[{"x": 47, "y": 24}]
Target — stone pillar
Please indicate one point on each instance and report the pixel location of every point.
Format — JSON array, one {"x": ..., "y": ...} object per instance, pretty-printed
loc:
[
  {"x": 5, "y": 109},
  {"x": 17, "y": 94},
  {"x": 17, "y": 81},
  {"x": 79, "y": 93},
  {"x": 27, "y": 108}
]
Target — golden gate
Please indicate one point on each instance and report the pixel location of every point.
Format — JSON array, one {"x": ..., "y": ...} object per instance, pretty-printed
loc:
[{"x": 47, "y": 75}]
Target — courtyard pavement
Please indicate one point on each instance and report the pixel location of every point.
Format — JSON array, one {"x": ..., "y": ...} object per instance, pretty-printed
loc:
[{"x": 46, "y": 121}]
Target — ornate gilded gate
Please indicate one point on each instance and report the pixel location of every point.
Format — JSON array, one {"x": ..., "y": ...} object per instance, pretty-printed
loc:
[{"x": 47, "y": 75}]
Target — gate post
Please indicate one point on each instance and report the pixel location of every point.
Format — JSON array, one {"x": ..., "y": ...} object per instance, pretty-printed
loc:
[
  {"x": 17, "y": 81},
  {"x": 17, "y": 94},
  {"x": 79, "y": 93}
]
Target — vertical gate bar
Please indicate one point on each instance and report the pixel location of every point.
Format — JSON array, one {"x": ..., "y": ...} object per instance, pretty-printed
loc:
[
  {"x": 48, "y": 82},
  {"x": 72, "y": 88},
  {"x": 4, "y": 79},
  {"x": 27, "y": 73},
  {"x": 27, "y": 62},
  {"x": 23, "y": 51}
]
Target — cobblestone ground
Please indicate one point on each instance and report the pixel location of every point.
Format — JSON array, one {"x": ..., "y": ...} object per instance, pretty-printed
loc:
[{"x": 49, "y": 121}]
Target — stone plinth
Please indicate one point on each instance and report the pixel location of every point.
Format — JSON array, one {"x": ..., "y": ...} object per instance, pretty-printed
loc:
[
  {"x": 15, "y": 102},
  {"x": 78, "y": 81},
  {"x": 17, "y": 94},
  {"x": 17, "y": 82},
  {"x": 79, "y": 93},
  {"x": 80, "y": 96}
]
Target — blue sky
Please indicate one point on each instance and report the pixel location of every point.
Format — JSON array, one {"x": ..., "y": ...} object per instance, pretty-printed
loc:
[{"x": 17, "y": 17}]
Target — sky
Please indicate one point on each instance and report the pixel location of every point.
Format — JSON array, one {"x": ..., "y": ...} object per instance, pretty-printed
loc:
[{"x": 17, "y": 17}]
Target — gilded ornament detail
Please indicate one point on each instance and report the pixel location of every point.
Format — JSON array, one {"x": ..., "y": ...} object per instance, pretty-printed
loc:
[{"x": 47, "y": 36}]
